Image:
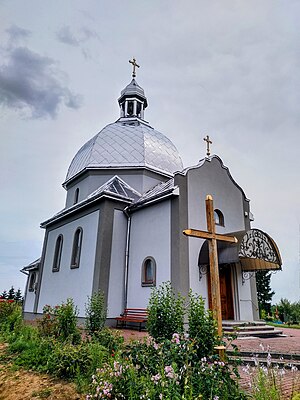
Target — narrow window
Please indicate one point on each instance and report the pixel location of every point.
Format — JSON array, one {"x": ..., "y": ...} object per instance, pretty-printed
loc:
[
  {"x": 76, "y": 248},
  {"x": 219, "y": 217},
  {"x": 76, "y": 196},
  {"x": 32, "y": 280},
  {"x": 149, "y": 272},
  {"x": 57, "y": 253}
]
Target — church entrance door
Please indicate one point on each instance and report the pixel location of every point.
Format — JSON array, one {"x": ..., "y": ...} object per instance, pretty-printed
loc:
[{"x": 225, "y": 291}]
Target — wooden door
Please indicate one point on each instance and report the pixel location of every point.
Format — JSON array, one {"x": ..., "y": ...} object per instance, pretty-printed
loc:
[{"x": 225, "y": 292}]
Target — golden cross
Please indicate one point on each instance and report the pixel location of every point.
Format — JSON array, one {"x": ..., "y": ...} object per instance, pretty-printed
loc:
[
  {"x": 134, "y": 64},
  {"x": 212, "y": 238},
  {"x": 208, "y": 142}
]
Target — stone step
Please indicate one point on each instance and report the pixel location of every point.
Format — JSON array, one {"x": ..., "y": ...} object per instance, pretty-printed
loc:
[
  {"x": 248, "y": 328},
  {"x": 256, "y": 333},
  {"x": 242, "y": 323}
]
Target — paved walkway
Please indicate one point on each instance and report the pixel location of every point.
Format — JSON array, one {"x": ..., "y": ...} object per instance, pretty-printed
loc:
[{"x": 289, "y": 344}]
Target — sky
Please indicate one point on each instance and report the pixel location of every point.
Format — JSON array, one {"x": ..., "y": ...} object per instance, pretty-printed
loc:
[{"x": 226, "y": 68}]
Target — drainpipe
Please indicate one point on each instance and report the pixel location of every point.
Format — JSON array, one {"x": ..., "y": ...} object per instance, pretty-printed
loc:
[{"x": 126, "y": 257}]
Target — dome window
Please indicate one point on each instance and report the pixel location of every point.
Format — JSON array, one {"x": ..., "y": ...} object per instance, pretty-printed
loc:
[{"x": 76, "y": 196}]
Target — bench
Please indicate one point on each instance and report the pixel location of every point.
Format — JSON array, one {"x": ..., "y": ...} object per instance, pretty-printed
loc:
[{"x": 132, "y": 315}]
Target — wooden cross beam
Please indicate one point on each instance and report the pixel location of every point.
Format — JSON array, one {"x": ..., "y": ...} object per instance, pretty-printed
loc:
[
  {"x": 134, "y": 64},
  {"x": 212, "y": 238}
]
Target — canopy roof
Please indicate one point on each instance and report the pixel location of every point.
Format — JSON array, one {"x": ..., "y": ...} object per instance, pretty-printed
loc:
[{"x": 255, "y": 251}]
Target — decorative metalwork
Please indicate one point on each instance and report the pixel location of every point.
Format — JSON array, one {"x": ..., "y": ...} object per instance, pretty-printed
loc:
[
  {"x": 255, "y": 244},
  {"x": 246, "y": 275},
  {"x": 202, "y": 271}
]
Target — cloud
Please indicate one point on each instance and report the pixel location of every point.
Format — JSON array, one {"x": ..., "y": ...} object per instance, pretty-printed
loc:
[
  {"x": 16, "y": 34},
  {"x": 65, "y": 35},
  {"x": 30, "y": 82}
]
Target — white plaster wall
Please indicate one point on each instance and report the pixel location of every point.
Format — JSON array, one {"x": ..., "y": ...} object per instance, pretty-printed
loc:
[
  {"x": 150, "y": 236},
  {"x": 76, "y": 283},
  {"x": 213, "y": 179},
  {"x": 245, "y": 297},
  {"x": 117, "y": 265}
]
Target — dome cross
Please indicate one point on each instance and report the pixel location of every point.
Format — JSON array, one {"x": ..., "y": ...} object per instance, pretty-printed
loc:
[{"x": 134, "y": 64}]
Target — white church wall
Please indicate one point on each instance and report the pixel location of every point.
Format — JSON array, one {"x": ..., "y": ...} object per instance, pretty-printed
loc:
[
  {"x": 75, "y": 283},
  {"x": 150, "y": 237},
  {"x": 212, "y": 179},
  {"x": 117, "y": 264},
  {"x": 30, "y": 297},
  {"x": 245, "y": 297}
]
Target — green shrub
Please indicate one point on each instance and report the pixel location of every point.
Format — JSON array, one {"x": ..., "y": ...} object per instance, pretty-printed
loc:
[
  {"x": 60, "y": 322},
  {"x": 202, "y": 326},
  {"x": 112, "y": 341},
  {"x": 66, "y": 316},
  {"x": 296, "y": 397},
  {"x": 95, "y": 313},
  {"x": 67, "y": 360},
  {"x": 165, "y": 312},
  {"x": 9, "y": 312}
]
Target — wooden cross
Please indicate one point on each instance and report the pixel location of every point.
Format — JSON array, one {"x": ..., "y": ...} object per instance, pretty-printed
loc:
[
  {"x": 134, "y": 64},
  {"x": 208, "y": 142},
  {"x": 212, "y": 238}
]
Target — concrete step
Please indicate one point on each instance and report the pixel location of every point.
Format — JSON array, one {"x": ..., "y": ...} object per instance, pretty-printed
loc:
[
  {"x": 255, "y": 333},
  {"x": 249, "y": 328}
]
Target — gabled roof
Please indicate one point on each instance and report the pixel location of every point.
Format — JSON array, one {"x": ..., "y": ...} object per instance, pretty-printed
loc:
[
  {"x": 158, "y": 192},
  {"x": 114, "y": 188},
  {"x": 32, "y": 266},
  {"x": 208, "y": 160}
]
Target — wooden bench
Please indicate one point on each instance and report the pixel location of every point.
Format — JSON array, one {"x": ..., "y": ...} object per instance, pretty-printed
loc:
[{"x": 132, "y": 315}]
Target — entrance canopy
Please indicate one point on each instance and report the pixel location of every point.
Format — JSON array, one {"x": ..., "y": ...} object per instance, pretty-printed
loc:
[{"x": 255, "y": 251}]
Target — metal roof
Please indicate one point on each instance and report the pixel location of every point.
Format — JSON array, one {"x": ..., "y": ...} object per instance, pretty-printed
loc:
[
  {"x": 127, "y": 144},
  {"x": 255, "y": 251}
]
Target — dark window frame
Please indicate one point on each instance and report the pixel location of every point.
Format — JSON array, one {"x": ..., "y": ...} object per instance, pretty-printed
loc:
[
  {"x": 148, "y": 282},
  {"x": 32, "y": 281},
  {"x": 220, "y": 217},
  {"x": 57, "y": 253},
  {"x": 76, "y": 196},
  {"x": 76, "y": 248}
]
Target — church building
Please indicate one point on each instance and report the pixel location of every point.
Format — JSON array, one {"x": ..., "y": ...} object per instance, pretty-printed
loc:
[{"x": 128, "y": 200}]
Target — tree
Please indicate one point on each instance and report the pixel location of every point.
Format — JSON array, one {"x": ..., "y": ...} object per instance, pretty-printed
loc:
[
  {"x": 18, "y": 296},
  {"x": 4, "y": 295},
  {"x": 11, "y": 293},
  {"x": 264, "y": 291}
]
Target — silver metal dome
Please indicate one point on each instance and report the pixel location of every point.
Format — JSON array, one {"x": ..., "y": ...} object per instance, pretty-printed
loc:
[{"x": 127, "y": 144}]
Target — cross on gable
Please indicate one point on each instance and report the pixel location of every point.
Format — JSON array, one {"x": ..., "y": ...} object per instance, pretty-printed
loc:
[
  {"x": 212, "y": 238},
  {"x": 208, "y": 142},
  {"x": 134, "y": 65}
]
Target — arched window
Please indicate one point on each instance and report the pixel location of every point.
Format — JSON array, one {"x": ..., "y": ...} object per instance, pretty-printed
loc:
[
  {"x": 76, "y": 196},
  {"x": 219, "y": 217},
  {"x": 32, "y": 282},
  {"x": 149, "y": 272},
  {"x": 57, "y": 253},
  {"x": 76, "y": 248}
]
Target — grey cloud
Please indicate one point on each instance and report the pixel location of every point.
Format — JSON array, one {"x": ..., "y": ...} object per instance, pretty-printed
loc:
[
  {"x": 65, "y": 35},
  {"x": 16, "y": 33},
  {"x": 29, "y": 82}
]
